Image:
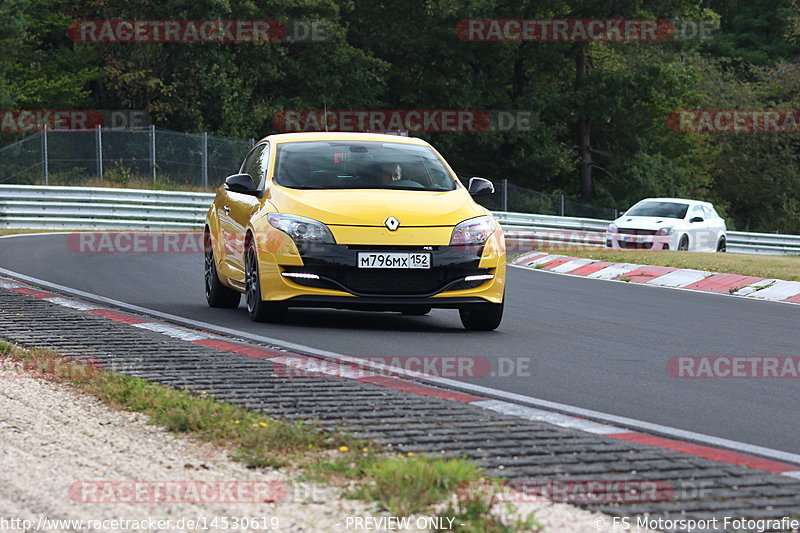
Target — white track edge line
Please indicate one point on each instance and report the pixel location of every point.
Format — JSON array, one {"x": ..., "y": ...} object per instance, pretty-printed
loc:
[
  {"x": 35, "y": 233},
  {"x": 468, "y": 387}
]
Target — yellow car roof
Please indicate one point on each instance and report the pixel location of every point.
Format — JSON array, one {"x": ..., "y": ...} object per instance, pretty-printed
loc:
[{"x": 342, "y": 136}]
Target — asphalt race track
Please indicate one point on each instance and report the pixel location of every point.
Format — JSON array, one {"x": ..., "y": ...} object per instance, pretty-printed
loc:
[{"x": 592, "y": 344}]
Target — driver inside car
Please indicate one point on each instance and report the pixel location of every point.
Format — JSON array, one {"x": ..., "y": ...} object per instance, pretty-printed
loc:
[{"x": 388, "y": 173}]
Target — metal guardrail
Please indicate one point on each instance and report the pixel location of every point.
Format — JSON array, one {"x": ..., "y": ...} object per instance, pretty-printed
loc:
[
  {"x": 93, "y": 208},
  {"x": 105, "y": 194},
  {"x": 547, "y": 229},
  {"x": 532, "y": 230},
  {"x": 96, "y": 208},
  {"x": 763, "y": 243},
  {"x": 526, "y": 221}
]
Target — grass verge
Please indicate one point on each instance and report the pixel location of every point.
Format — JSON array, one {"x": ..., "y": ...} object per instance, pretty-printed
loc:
[
  {"x": 402, "y": 485},
  {"x": 411, "y": 484},
  {"x": 785, "y": 267}
]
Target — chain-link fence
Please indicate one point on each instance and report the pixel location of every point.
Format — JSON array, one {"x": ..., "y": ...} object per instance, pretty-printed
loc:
[
  {"x": 510, "y": 197},
  {"x": 21, "y": 160},
  {"x": 122, "y": 157},
  {"x": 159, "y": 158}
]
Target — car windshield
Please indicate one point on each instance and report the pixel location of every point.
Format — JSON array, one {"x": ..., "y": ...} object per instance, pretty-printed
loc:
[
  {"x": 658, "y": 209},
  {"x": 360, "y": 165}
]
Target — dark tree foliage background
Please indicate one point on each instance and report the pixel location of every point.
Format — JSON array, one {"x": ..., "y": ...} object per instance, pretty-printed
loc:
[{"x": 601, "y": 107}]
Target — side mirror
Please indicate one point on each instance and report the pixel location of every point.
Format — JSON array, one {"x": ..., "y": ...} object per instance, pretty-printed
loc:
[
  {"x": 243, "y": 184},
  {"x": 480, "y": 187},
  {"x": 697, "y": 219}
]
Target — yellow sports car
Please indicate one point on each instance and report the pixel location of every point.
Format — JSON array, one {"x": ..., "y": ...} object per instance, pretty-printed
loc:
[{"x": 353, "y": 221}]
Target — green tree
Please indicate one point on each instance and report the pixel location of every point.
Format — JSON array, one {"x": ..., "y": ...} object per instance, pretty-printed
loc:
[
  {"x": 12, "y": 31},
  {"x": 756, "y": 176},
  {"x": 599, "y": 105},
  {"x": 49, "y": 71},
  {"x": 756, "y": 32},
  {"x": 233, "y": 88}
]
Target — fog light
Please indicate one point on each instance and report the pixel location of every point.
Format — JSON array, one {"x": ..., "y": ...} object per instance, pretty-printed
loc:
[
  {"x": 299, "y": 275},
  {"x": 480, "y": 277}
]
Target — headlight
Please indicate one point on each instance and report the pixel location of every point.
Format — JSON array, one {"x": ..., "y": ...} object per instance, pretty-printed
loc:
[
  {"x": 612, "y": 228},
  {"x": 473, "y": 231},
  {"x": 669, "y": 230},
  {"x": 301, "y": 229}
]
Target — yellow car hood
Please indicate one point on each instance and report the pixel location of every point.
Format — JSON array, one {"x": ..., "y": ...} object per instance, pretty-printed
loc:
[{"x": 371, "y": 207}]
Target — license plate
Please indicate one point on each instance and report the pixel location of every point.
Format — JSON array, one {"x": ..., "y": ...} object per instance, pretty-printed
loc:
[{"x": 393, "y": 260}]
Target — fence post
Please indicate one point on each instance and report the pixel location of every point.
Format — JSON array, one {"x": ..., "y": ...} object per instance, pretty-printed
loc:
[
  {"x": 45, "y": 168},
  {"x": 99, "y": 139},
  {"x": 153, "y": 150},
  {"x": 205, "y": 159},
  {"x": 561, "y": 206},
  {"x": 505, "y": 195},
  {"x": 251, "y": 142}
]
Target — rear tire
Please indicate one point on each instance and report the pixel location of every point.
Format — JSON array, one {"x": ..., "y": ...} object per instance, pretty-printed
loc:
[
  {"x": 684, "y": 244},
  {"x": 258, "y": 309},
  {"x": 482, "y": 317},
  {"x": 722, "y": 245},
  {"x": 217, "y": 294}
]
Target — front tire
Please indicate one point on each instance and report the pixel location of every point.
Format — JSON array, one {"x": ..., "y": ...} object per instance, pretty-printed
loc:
[
  {"x": 258, "y": 309},
  {"x": 217, "y": 294},
  {"x": 482, "y": 317},
  {"x": 684, "y": 244}
]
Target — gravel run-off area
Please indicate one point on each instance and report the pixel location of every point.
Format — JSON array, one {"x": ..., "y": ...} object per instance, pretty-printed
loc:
[{"x": 66, "y": 456}]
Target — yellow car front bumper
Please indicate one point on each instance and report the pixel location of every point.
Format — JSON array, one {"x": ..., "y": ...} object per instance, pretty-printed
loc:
[{"x": 327, "y": 275}]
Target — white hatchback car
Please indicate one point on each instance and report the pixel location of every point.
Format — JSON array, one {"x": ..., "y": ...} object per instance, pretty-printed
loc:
[{"x": 669, "y": 224}]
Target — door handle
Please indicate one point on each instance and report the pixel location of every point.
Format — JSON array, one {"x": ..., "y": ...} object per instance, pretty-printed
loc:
[{"x": 227, "y": 210}]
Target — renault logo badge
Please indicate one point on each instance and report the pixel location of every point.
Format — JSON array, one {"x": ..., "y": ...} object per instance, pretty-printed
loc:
[{"x": 392, "y": 223}]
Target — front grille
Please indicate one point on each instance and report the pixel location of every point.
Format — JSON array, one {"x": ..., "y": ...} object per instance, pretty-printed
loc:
[
  {"x": 394, "y": 281},
  {"x": 636, "y": 245},
  {"x": 638, "y": 231}
]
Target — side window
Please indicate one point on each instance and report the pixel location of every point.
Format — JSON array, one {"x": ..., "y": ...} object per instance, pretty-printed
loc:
[
  {"x": 260, "y": 167},
  {"x": 247, "y": 166},
  {"x": 697, "y": 211},
  {"x": 709, "y": 212},
  {"x": 256, "y": 163}
]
